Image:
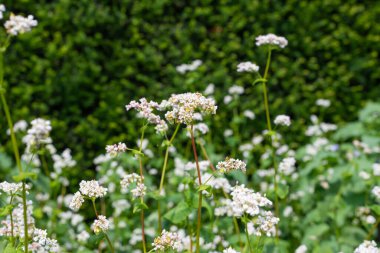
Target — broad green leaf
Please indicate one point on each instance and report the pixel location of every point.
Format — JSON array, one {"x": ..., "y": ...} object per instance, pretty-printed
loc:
[
  {"x": 179, "y": 213},
  {"x": 25, "y": 175}
]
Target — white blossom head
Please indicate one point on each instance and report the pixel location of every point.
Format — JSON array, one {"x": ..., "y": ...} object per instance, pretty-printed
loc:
[
  {"x": 376, "y": 192},
  {"x": 115, "y": 149},
  {"x": 135, "y": 182},
  {"x": 183, "y": 68},
  {"x": 42, "y": 243},
  {"x": 76, "y": 201},
  {"x": 92, "y": 189},
  {"x": 230, "y": 250},
  {"x": 272, "y": 40},
  {"x": 287, "y": 166},
  {"x": 282, "y": 120},
  {"x": 166, "y": 241},
  {"x": 231, "y": 164},
  {"x": 38, "y": 134},
  {"x": 185, "y": 106},
  {"x": 2, "y": 9},
  {"x": 323, "y": 102},
  {"x": 247, "y": 67},
  {"x": 11, "y": 188},
  {"x": 367, "y": 247},
  {"x": 18, "y": 24},
  {"x": 301, "y": 249},
  {"x": 101, "y": 224},
  {"x": 236, "y": 90}
]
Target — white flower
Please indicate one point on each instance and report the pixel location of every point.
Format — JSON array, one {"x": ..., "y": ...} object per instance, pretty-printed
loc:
[
  {"x": 21, "y": 125},
  {"x": 139, "y": 190},
  {"x": 247, "y": 67},
  {"x": 145, "y": 110},
  {"x": 11, "y": 188},
  {"x": 101, "y": 224},
  {"x": 227, "y": 99},
  {"x": 231, "y": 164},
  {"x": 63, "y": 161},
  {"x": 249, "y": 114},
  {"x": 183, "y": 68},
  {"x": 271, "y": 39},
  {"x": 264, "y": 224},
  {"x": 38, "y": 134},
  {"x": 376, "y": 169},
  {"x": 367, "y": 247},
  {"x": 209, "y": 89},
  {"x": 282, "y": 120},
  {"x": 115, "y": 149},
  {"x": 167, "y": 240},
  {"x": 19, "y": 24},
  {"x": 76, "y": 201},
  {"x": 323, "y": 102},
  {"x": 2, "y": 9},
  {"x": 228, "y": 133},
  {"x": 42, "y": 243},
  {"x": 92, "y": 189},
  {"x": 83, "y": 236},
  {"x": 230, "y": 250},
  {"x": 301, "y": 249},
  {"x": 287, "y": 166},
  {"x": 184, "y": 106},
  {"x": 236, "y": 90},
  {"x": 376, "y": 192}
]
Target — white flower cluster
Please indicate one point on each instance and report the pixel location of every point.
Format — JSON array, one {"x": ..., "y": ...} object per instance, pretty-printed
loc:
[
  {"x": 18, "y": 24},
  {"x": 139, "y": 190},
  {"x": 282, "y": 120},
  {"x": 217, "y": 183},
  {"x": 167, "y": 240},
  {"x": 249, "y": 114},
  {"x": 2, "y": 9},
  {"x": 367, "y": 247},
  {"x": 271, "y": 39},
  {"x": 247, "y": 67},
  {"x": 11, "y": 188},
  {"x": 18, "y": 221},
  {"x": 244, "y": 202},
  {"x": 264, "y": 224},
  {"x": 101, "y": 224},
  {"x": 65, "y": 160},
  {"x": 21, "y": 125},
  {"x": 301, "y": 249},
  {"x": 183, "y": 68},
  {"x": 236, "y": 90},
  {"x": 231, "y": 164},
  {"x": 198, "y": 130},
  {"x": 115, "y": 149},
  {"x": 323, "y": 102},
  {"x": 376, "y": 192},
  {"x": 43, "y": 244},
  {"x": 318, "y": 129},
  {"x": 184, "y": 107},
  {"x": 287, "y": 166},
  {"x": 38, "y": 134},
  {"x": 145, "y": 110},
  {"x": 230, "y": 250},
  {"x": 90, "y": 189}
]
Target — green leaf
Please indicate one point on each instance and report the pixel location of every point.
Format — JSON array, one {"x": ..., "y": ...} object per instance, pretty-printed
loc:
[
  {"x": 25, "y": 175},
  {"x": 282, "y": 191},
  {"x": 6, "y": 210},
  {"x": 179, "y": 214},
  {"x": 204, "y": 187},
  {"x": 140, "y": 206},
  {"x": 10, "y": 249},
  {"x": 376, "y": 209}
]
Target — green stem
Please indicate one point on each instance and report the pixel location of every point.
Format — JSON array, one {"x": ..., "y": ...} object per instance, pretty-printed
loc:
[
  {"x": 105, "y": 234},
  {"x": 142, "y": 200},
  {"x": 248, "y": 240},
  {"x": 11, "y": 217},
  {"x": 169, "y": 144},
  {"x": 199, "y": 213},
  {"x": 15, "y": 148},
  {"x": 45, "y": 165}
]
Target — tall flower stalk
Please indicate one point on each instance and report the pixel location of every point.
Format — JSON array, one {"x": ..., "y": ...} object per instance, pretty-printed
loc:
[{"x": 142, "y": 218}]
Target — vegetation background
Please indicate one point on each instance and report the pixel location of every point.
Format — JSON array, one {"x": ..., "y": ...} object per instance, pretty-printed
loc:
[{"x": 87, "y": 59}]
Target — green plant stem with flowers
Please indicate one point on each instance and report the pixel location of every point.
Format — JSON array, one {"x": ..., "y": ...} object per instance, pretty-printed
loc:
[
  {"x": 142, "y": 219},
  {"x": 14, "y": 141},
  {"x": 105, "y": 234}
]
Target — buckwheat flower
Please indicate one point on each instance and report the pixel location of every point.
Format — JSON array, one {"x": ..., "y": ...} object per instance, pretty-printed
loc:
[
  {"x": 287, "y": 166},
  {"x": 83, "y": 236},
  {"x": 21, "y": 125},
  {"x": 167, "y": 241},
  {"x": 184, "y": 106},
  {"x": 198, "y": 129},
  {"x": 209, "y": 89},
  {"x": 101, "y": 224},
  {"x": 38, "y": 134},
  {"x": 231, "y": 164},
  {"x": 376, "y": 169},
  {"x": 367, "y": 247},
  {"x": 376, "y": 192},
  {"x": 264, "y": 224},
  {"x": 282, "y": 120},
  {"x": 227, "y": 99},
  {"x": 230, "y": 250},
  {"x": 301, "y": 249},
  {"x": 115, "y": 149},
  {"x": 236, "y": 90},
  {"x": 228, "y": 133},
  {"x": 145, "y": 110},
  {"x": 65, "y": 160},
  {"x": 271, "y": 39},
  {"x": 11, "y": 188},
  {"x": 76, "y": 201},
  {"x": 19, "y": 24},
  {"x": 183, "y": 68},
  {"x": 139, "y": 190},
  {"x": 42, "y": 243},
  {"x": 249, "y": 114},
  {"x": 92, "y": 189},
  {"x": 2, "y": 9},
  {"x": 323, "y": 102},
  {"x": 247, "y": 67}
]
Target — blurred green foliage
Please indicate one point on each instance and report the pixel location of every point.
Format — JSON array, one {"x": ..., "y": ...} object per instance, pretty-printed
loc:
[{"x": 87, "y": 59}]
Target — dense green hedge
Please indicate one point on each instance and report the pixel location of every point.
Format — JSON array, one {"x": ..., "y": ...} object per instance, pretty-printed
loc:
[{"x": 87, "y": 59}]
